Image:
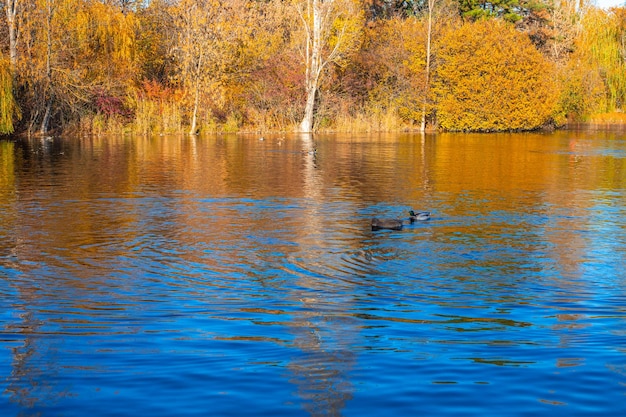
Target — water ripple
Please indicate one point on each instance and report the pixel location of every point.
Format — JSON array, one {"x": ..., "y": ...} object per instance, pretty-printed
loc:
[{"x": 194, "y": 283}]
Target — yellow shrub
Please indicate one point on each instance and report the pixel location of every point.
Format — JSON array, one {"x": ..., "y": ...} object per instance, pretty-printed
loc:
[
  {"x": 491, "y": 78},
  {"x": 8, "y": 106}
]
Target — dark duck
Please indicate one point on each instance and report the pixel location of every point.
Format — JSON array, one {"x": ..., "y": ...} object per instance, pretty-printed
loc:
[{"x": 397, "y": 224}]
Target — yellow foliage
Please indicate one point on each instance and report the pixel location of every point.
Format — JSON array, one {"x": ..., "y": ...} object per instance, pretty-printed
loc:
[
  {"x": 242, "y": 64},
  {"x": 395, "y": 54},
  {"x": 491, "y": 78},
  {"x": 8, "y": 106},
  {"x": 95, "y": 36},
  {"x": 613, "y": 118},
  {"x": 583, "y": 91},
  {"x": 347, "y": 30},
  {"x": 602, "y": 45},
  {"x": 75, "y": 48}
]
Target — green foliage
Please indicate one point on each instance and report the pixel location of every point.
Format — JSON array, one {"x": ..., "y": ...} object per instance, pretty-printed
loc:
[
  {"x": 509, "y": 10},
  {"x": 491, "y": 78}
]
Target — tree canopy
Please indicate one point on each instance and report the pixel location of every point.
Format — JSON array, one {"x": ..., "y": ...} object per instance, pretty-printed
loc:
[{"x": 169, "y": 66}]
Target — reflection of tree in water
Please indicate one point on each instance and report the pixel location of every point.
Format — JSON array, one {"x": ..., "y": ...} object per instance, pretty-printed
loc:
[
  {"x": 322, "y": 332},
  {"x": 321, "y": 370},
  {"x": 26, "y": 384}
]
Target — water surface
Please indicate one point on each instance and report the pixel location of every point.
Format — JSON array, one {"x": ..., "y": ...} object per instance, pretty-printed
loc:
[{"x": 232, "y": 276}]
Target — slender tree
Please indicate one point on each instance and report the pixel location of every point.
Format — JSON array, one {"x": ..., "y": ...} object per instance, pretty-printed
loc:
[
  {"x": 12, "y": 9},
  {"x": 191, "y": 24},
  {"x": 332, "y": 30},
  {"x": 431, "y": 5},
  {"x": 49, "y": 10},
  {"x": 211, "y": 37}
]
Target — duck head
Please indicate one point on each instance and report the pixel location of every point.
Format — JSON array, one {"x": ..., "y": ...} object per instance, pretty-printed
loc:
[{"x": 420, "y": 216}]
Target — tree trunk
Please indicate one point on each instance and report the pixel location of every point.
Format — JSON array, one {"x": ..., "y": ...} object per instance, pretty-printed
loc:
[
  {"x": 11, "y": 7},
  {"x": 431, "y": 4},
  {"x": 45, "y": 122},
  {"x": 194, "y": 117},
  {"x": 330, "y": 36},
  {"x": 306, "y": 126},
  {"x": 314, "y": 64}
]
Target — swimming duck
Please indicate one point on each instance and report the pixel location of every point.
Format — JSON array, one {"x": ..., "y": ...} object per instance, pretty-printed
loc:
[
  {"x": 397, "y": 224},
  {"x": 392, "y": 224},
  {"x": 420, "y": 216}
]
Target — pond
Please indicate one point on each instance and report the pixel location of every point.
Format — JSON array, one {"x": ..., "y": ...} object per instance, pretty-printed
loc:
[{"x": 239, "y": 275}]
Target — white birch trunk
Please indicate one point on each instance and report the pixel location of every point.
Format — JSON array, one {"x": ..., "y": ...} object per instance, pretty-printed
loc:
[
  {"x": 318, "y": 17},
  {"x": 194, "y": 117},
  {"x": 431, "y": 4},
  {"x": 313, "y": 61},
  {"x": 11, "y": 7},
  {"x": 48, "y": 94}
]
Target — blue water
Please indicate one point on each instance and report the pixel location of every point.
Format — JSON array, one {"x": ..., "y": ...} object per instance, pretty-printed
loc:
[{"x": 230, "y": 276}]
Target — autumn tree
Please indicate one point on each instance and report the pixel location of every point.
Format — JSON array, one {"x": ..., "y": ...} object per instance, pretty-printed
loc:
[
  {"x": 8, "y": 105},
  {"x": 552, "y": 25},
  {"x": 582, "y": 89},
  {"x": 331, "y": 32},
  {"x": 429, "y": 36},
  {"x": 48, "y": 9},
  {"x": 394, "y": 60},
  {"x": 602, "y": 45},
  {"x": 156, "y": 39},
  {"x": 265, "y": 90},
  {"x": 72, "y": 55},
  {"x": 211, "y": 35},
  {"x": 564, "y": 25},
  {"x": 491, "y": 78},
  {"x": 395, "y": 65}
]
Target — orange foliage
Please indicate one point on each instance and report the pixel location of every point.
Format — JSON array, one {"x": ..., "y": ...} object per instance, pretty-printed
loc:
[
  {"x": 491, "y": 78},
  {"x": 155, "y": 91}
]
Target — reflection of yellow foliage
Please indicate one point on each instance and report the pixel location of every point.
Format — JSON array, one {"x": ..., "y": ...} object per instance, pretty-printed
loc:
[
  {"x": 7, "y": 176},
  {"x": 491, "y": 78}
]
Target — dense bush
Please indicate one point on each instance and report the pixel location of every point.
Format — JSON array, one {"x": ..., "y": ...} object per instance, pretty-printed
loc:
[
  {"x": 8, "y": 107},
  {"x": 491, "y": 78}
]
